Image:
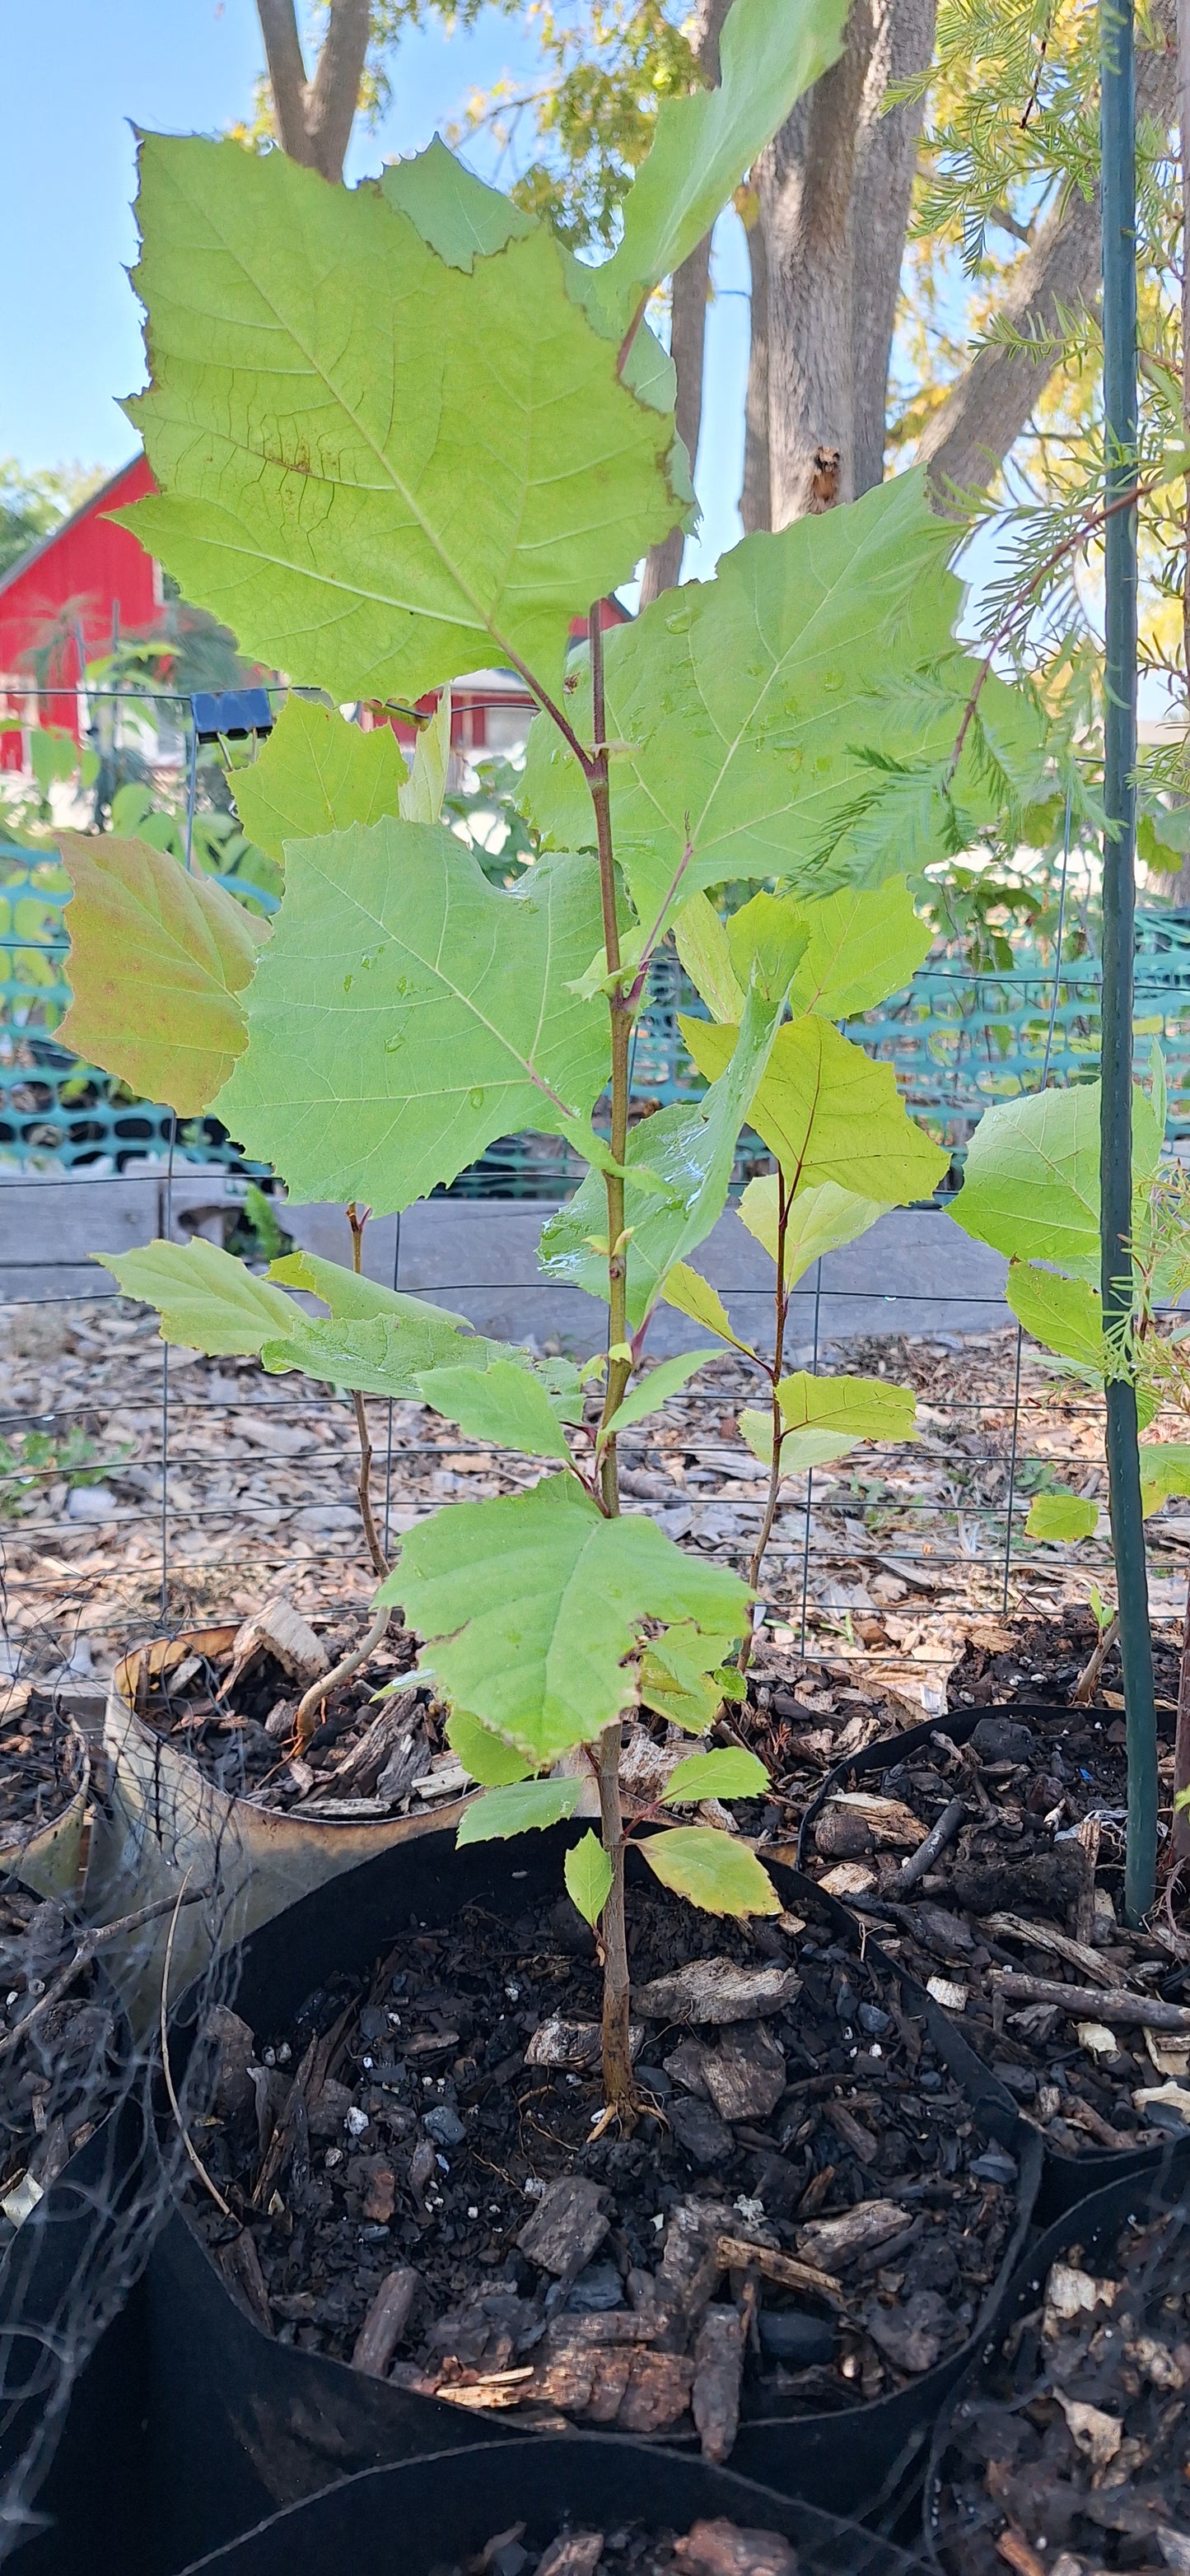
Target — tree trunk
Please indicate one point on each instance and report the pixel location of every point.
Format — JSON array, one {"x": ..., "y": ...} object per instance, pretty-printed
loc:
[
  {"x": 687, "y": 342},
  {"x": 314, "y": 118},
  {"x": 835, "y": 189},
  {"x": 880, "y": 206},
  {"x": 688, "y": 329},
  {"x": 968, "y": 439},
  {"x": 756, "y": 500}
]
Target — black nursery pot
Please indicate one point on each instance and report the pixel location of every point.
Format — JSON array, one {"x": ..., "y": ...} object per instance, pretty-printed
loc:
[
  {"x": 432, "y": 2512},
  {"x": 52, "y": 2286},
  {"x": 1066, "y": 2179},
  {"x": 244, "y": 2424},
  {"x": 1091, "y": 2224}
]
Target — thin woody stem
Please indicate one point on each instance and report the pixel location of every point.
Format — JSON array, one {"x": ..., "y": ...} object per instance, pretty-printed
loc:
[
  {"x": 784, "y": 1198},
  {"x": 617, "y": 2056},
  {"x": 357, "y": 1218}
]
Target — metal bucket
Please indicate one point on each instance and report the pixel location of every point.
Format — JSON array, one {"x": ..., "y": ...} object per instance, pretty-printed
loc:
[{"x": 169, "y": 1827}]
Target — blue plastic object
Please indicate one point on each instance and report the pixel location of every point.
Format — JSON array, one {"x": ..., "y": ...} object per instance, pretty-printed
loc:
[{"x": 235, "y": 712}]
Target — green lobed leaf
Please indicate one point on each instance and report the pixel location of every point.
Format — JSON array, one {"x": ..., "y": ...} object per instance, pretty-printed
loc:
[
  {"x": 528, "y": 1606},
  {"x": 828, "y": 1113},
  {"x": 716, "y": 1871},
  {"x": 193, "y": 949},
  {"x": 694, "y": 1296},
  {"x": 767, "y": 938},
  {"x": 681, "y": 1677},
  {"x": 820, "y": 1220},
  {"x": 501, "y": 1404},
  {"x": 588, "y": 1874},
  {"x": 317, "y": 774},
  {"x": 730, "y": 1773},
  {"x": 495, "y": 1764},
  {"x": 528, "y": 1808},
  {"x": 412, "y": 1012},
  {"x": 1164, "y": 1473},
  {"x": 687, "y": 1153},
  {"x": 1031, "y": 1177},
  {"x": 456, "y": 213},
  {"x": 652, "y": 1391},
  {"x": 770, "y": 52},
  {"x": 746, "y": 713},
  {"x": 1064, "y": 1516},
  {"x": 421, "y": 798},
  {"x": 206, "y": 1299},
  {"x": 1065, "y": 1314},
  {"x": 826, "y": 1416},
  {"x": 318, "y": 375}
]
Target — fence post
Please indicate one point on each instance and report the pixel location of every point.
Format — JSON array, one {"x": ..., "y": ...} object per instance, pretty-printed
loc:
[{"x": 1118, "y": 141}]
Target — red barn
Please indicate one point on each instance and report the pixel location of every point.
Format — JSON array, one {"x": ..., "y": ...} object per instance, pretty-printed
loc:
[{"x": 90, "y": 581}]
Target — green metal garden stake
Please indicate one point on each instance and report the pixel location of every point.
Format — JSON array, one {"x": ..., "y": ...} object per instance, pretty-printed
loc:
[{"x": 1118, "y": 137}]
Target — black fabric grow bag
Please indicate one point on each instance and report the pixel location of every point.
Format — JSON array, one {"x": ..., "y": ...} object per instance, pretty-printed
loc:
[
  {"x": 244, "y": 2424},
  {"x": 404, "y": 2521},
  {"x": 1066, "y": 2180},
  {"x": 1090, "y": 2223}
]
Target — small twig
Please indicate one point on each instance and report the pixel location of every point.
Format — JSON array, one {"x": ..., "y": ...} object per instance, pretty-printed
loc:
[
  {"x": 357, "y": 1219},
  {"x": 928, "y": 1852},
  {"x": 1088, "y": 1680},
  {"x": 167, "y": 2071},
  {"x": 320, "y": 1690},
  {"x": 91, "y": 1942},
  {"x": 1090, "y": 2003}
]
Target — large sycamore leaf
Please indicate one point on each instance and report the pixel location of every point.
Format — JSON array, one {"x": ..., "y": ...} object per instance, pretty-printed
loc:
[
  {"x": 715, "y": 1871},
  {"x": 381, "y": 470},
  {"x": 158, "y": 960},
  {"x": 411, "y": 1012},
  {"x": 828, "y": 1113},
  {"x": 502, "y": 1404},
  {"x": 207, "y": 1300},
  {"x": 745, "y": 712},
  {"x": 820, "y": 1220},
  {"x": 528, "y": 1606},
  {"x": 863, "y": 943},
  {"x": 317, "y": 774},
  {"x": 1031, "y": 1177},
  {"x": 825, "y": 1416},
  {"x": 770, "y": 52},
  {"x": 685, "y": 1155}
]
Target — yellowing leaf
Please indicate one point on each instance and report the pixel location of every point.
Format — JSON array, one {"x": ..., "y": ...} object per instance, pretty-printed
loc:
[
  {"x": 701, "y": 942},
  {"x": 1164, "y": 1472},
  {"x": 767, "y": 938},
  {"x": 694, "y": 1296},
  {"x": 728, "y": 1773},
  {"x": 527, "y": 1808},
  {"x": 863, "y": 943},
  {"x": 820, "y": 1220},
  {"x": 1064, "y": 1516},
  {"x": 588, "y": 1874},
  {"x": 486, "y": 1756},
  {"x": 528, "y": 1606},
  {"x": 317, "y": 774},
  {"x": 380, "y": 469},
  {"x": 828, "y": 1113},
  {"x": 716, "y": 1871},
  {"x": 158, "y": 958},
  {"x": 825, "y": 1416}
]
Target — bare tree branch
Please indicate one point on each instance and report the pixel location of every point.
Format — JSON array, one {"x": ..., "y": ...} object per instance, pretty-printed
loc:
[
  {"x": 314, "y": 118},
  {"x": 970, "y": 435}
]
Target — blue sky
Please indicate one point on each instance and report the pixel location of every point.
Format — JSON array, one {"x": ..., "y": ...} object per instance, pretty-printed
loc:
[{"x": 77, "y": 78}]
